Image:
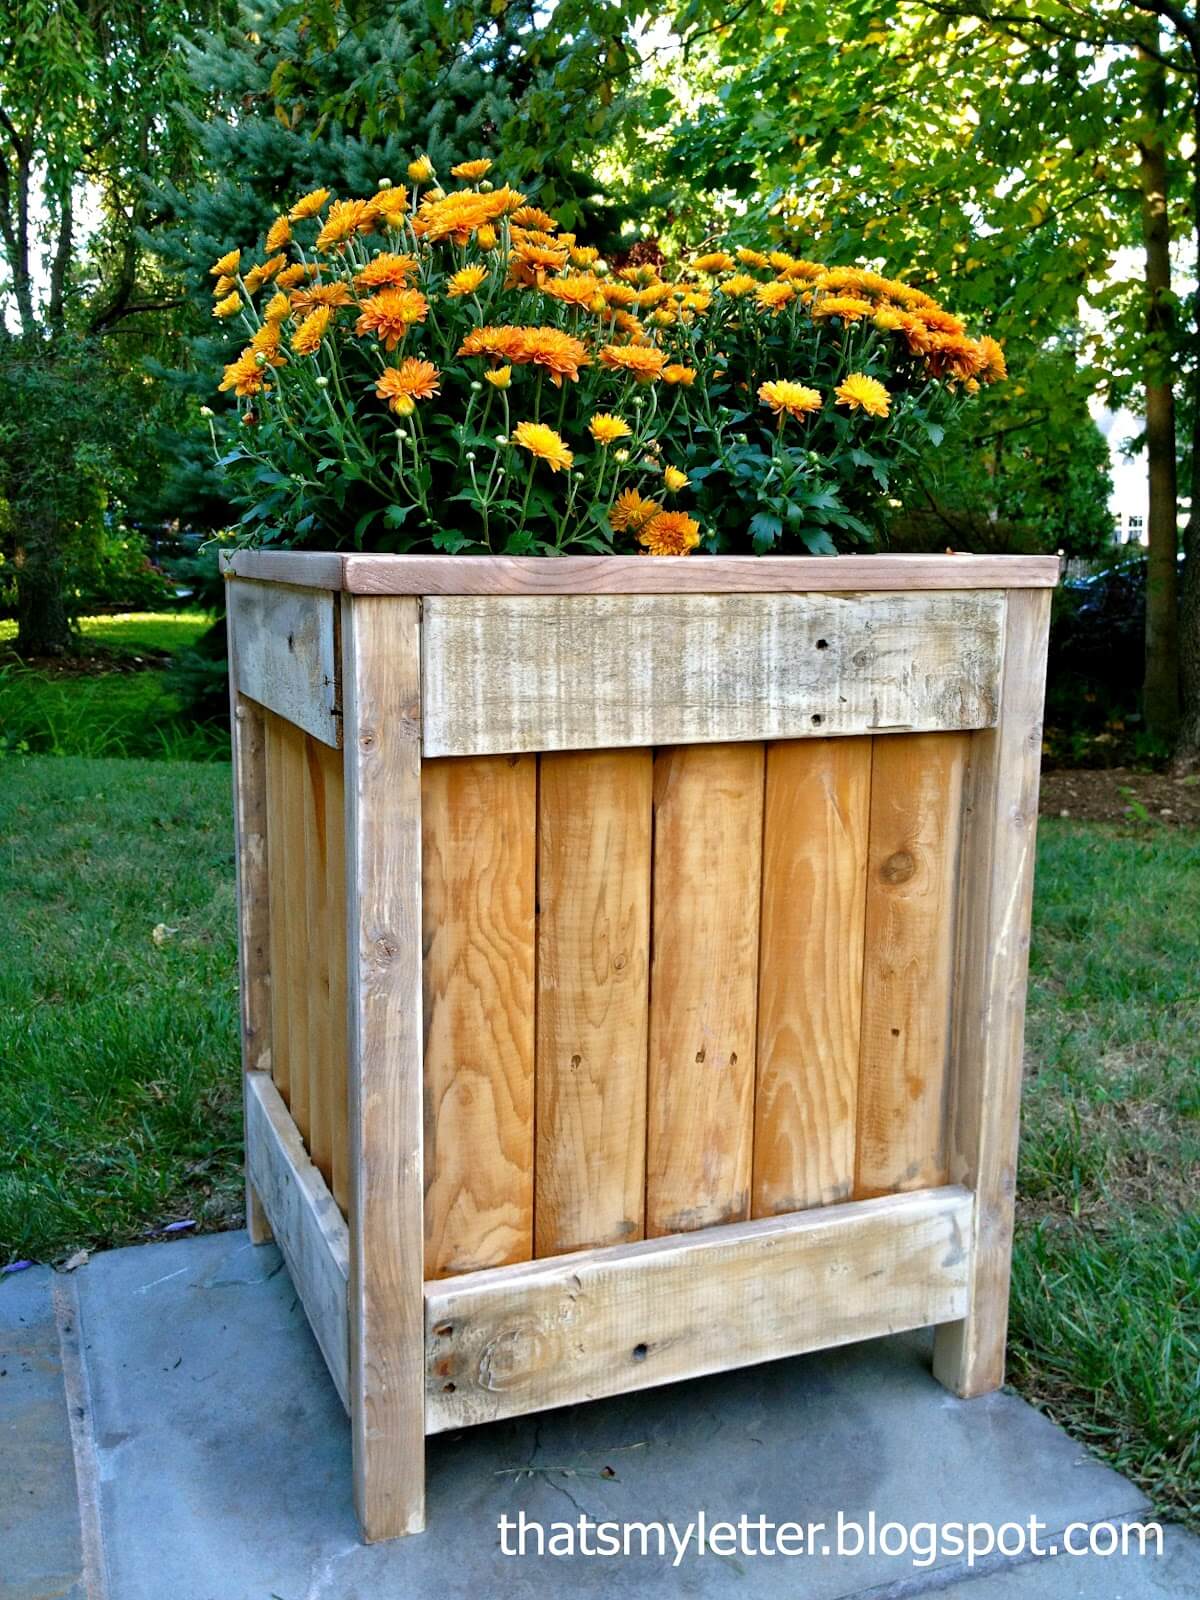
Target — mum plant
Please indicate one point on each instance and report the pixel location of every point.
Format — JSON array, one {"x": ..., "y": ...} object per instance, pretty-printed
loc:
[{"x": 448, "y": 369}]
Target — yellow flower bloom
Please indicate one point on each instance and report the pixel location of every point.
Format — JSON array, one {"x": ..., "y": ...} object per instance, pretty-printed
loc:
[
  {"x": 291, "y": 276},
  {"x": 787, "y": 399},
  {"x": 279, "y": 234},
  {"x": 457, "y": 216},
  {"x": 579, "y": 289},
  {"x": 584, "y": 255},
  {"x": 499, "y": 377},
  {"x": 846, "y": 306},
  {"x": 670, "y": 533},
  {"x": 244, "y": 376},
  {"x": 386, "y": 271},
  {"x": 630, "y": 511},
  {"x": 774, "y": 296},
  {"x": 640, "y": 361},
  {"x": 391, "y": 313},
  {"x": 309, "y": 205},
  {"x": 859, "y": 392},
  {"x": 715, "y": 261},
  {"x": 543, "y": 444},
  {"x": 741, "y": 283},
  {"x": 485, "y": 237},
  {"x": 674, "y": 479},
  {"x": 465, "y": 281},
  {"x": 994, "y": 366},
  {"x": 228, "y": 307},
  {"x": 420, "y": 170},
  {"x": 607, "y": 429},
  {"x": 472, "y": 171},
  {"x": 332, "y": 295},
  {"x": 501, "y": 343},
  {"x": 346, "y": 217},
  {"x": 673, "y": 372},
  {"x": 276, "y": 308},
  {"x": 412, "y": 380},
  {"x": 223, "y": 286},
  {"x": 531, "y": 217},
  {"x": 388, "y": 206},
  {"x": 559, "y": 353},
  {"x": 227, "y": 265},
  {"x": 753, "y": 258},
  {"x": 306, "y": 340}
]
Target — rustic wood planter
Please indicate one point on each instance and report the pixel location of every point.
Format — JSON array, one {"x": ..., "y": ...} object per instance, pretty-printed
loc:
[{"x": 633, "y": 966}]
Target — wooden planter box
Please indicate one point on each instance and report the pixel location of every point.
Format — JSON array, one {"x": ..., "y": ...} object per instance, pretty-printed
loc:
[{"x": 633, "y": 966}]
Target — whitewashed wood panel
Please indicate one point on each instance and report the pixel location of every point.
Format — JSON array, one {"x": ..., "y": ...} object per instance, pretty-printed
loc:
[
  {"x": 503, "y": 674},
  {"x": 549, "y": 1333},
  {"x": 287, "y": 653}
]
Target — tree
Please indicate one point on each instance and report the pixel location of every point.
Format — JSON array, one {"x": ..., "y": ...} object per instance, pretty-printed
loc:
[{"x": 87, "y": 89}]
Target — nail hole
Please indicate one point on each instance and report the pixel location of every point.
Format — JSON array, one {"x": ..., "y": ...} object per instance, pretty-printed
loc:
[
  {"x": 444, "y": 1330},
  {"x": 818, "y": 719},
  {"x": 895, "y": 1033},
  {"x": 639, "y": 1352},
  {"x": 448, "y": 1388},
  {"x": 822, "y": 644}
]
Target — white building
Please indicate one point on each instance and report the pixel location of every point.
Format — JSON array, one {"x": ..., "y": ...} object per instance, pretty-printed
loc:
[{"x": 1130, "y": 498}]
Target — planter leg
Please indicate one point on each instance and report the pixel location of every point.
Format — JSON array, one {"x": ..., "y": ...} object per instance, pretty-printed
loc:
[
  {"x": 257, "y": 1225},
  {"x": 988, "y": 1021},
  {"x": 382, "y": 751}
]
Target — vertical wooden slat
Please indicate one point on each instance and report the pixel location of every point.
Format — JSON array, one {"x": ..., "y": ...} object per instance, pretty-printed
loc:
[
  {"x": 277, "y": 899},
  {"x": 320, "y": 936},
  {"x": 916, "y": 793},
  {"x": 335, "y": 904},
  {"x": 293, "y": 995},
  {"x": 1000, "y": 822},
  {"x": 708, "y": 813},
  {"x": 478, "y": 838},
  {"x": 594, "y": 822},
  {"x": 253, "y": 899},
  {"x": 818, "y": 796},
  {"x": 382, "y": 745}
]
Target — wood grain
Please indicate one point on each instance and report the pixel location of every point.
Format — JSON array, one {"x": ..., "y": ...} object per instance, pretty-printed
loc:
[
  {"x": 478, "y": 839},
  {"x": 335, "y": 921},
  {"x": 594, "y": 821},
  {"x": 551, "y": 1333},
  {"x": 306, "y": 1223},
  {"x": 708, "y": 818},
  {"x": 277, "y": 871},
  {"x": 287, "y": 658},
  {"x": 991, "y": 968},
  {"x": 320, "y": 937},
  {"x": 818, "y": 797},
  {"x": 381, "y": 674},
  {"x": 422, "y": 575},
  {"x": 916, "y": 793},
  {"x": 594, "y": 672},
  {"x": 291, "y": 995}
]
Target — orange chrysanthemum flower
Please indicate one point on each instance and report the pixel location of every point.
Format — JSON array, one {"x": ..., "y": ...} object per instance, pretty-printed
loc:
[
  {"x": 309, "y": 205},
  {"x": 404, "y": 385},
  {"x": 673, "y": 372},
  {"x": 291, "y": 276},
  {"x": 306, "y": 340},
  {"x": 674, "y": 479},
  {"x": 555, "y": 351},
  {"x": 531, "y": 217},
  {"x": 227, "y": 265},
  {"x": 753, "y": 258},
  {"x": 277, "y": 308},
  {"x": 388, "y": 207},
  {"x": 584, "y": 255},
  {"x": 579, "y": 289},
  {"x": 630, "y": 511},
  {"x": 386, "y": 271},
  {"x": 465, "y": 281},
  {"x": 741, "y": 283},
  {"x": 788, "y": 399},
  {"x": 228, "y": 307},
  {"x": 994, "y": 367},
  {"x": 223, "y": 286},
  {"x": 457, "y": 216},
  {"x": 715, "y": 261},
  {"x": 861, "y": 393},
  {"x": 670, "y": 533},
  {"x": 472, "y": 171},
  {"x": 279, "y": 233},
  {"x": 607, "y": 429},
  {"x": 346, "y": 218},
  {"x": 641, "y": 361},
  {"x": 774, "y": 297},
  {"x": 391, "y": 313},
  {"x": 332, "y": 295},
  {"x": 500, "y": 343},
  {"x": 245, "y": 376},
  {"x": 499, "y": 377},
  {"x": 848, "y": 307},
  {"x": 543, "y": 444},
  {"x": 265, "y": 342}
]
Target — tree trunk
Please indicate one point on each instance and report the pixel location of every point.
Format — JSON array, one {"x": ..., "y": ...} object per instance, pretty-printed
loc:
[
  {"x": 1187, "y": 745},
  {"x": 44, "y": 626},
  {"x": 1161, "y": 686}
]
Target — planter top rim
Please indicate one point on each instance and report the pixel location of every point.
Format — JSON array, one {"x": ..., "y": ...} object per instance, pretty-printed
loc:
[{"x": 550, "y": 575}]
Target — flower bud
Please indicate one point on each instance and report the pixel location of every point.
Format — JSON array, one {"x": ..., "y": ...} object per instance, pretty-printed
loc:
[
  {"x": 420, "y": 170},
  {"x": 322, "y": 382},
  {"x": 401, "y": 433},
  {"x": 470, "y": 455},
  {"x": 206, "y": 411},
  {"x": 485, "y": 238},
  {"x": 620, "y": 455},
  {"x": 384, "y": 183},
  {"x": 476, "y": 386},
  {"x": 501, "y": 438}
]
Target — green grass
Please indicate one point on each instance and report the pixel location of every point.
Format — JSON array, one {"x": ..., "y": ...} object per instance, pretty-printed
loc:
[
  {"x": 119, "y": 1102},
  {"x": 1106, "y": 1283},
  {"x": 116, "y": 713},
  {"x": 119, "y": 1098},
  {"x": 134, "y": 632}
]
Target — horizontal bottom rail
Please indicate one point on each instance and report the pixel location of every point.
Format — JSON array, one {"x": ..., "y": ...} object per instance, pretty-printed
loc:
[
  {"x": 308, "y": 1226},
  {"x": 509, "y": 1340}
]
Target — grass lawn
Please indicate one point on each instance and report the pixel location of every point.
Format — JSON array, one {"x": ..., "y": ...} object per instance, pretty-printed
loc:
[
  {"x": 117, "y": 712},
  {"x": 120, "y": 1109}
]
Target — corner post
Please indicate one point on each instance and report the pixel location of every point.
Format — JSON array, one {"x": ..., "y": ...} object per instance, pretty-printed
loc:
[
  {"x": 250, "y": 866},
  {"x": 988, "y": 1021},
  {"x": 380, "y": 642}
]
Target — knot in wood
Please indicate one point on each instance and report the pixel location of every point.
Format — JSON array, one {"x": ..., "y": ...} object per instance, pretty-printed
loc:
[{"x": 898, "y": 868}]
